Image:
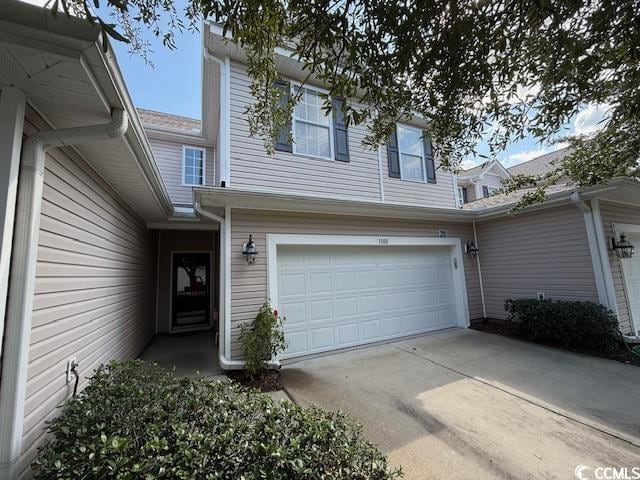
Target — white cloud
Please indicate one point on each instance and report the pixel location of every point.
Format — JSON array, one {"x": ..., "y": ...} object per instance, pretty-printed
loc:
[
  {"x": 590, "y": 119},
  {"x": 467, "y": 164},
  {"x": 524, "y": 156}
]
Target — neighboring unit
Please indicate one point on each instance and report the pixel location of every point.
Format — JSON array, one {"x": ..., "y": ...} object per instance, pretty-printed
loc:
[{"x": 127, "y": 223}]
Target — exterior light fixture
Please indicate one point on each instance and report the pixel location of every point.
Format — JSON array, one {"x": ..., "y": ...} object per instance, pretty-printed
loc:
[
  {"x": 471, "y": 249},
  {"x": 622, "y": 247},
  {"x": 249, "y": 252}
]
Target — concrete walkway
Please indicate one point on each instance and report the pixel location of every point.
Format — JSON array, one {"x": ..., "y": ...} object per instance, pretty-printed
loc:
[
  {"x": 466, "y": 404},
  {"x": 191, "y": 354}
]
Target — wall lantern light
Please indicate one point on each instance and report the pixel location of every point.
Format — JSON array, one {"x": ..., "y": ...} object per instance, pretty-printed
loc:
[
  {"x": 249, "y": 252},
  {"x": 471, "y": 249},
  {"x": 622, "y": 247}
]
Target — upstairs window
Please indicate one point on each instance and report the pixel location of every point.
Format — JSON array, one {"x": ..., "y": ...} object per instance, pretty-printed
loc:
[
  {"x": 311, "y": 127},
  {"x": 193, "y": 161},
  {"x": 410, "y": 155}
]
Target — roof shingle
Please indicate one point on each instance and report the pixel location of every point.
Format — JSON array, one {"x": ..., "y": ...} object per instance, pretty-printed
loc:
[{"x": 167, "y": 121}]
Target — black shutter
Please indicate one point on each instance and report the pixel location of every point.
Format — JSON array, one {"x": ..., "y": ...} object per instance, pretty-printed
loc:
[
  {"x": 393, "y": 155},
  {"x": 465, "y": 198},
  {"x": 485, "y": 191},
  {"x": 428, "y": 159},
  {"x": 282, "y": 141},
  {"x": 340, "y": 133}
]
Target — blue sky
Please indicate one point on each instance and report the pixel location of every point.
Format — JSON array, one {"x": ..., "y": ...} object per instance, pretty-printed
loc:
[{"x": 173, "y": 85}]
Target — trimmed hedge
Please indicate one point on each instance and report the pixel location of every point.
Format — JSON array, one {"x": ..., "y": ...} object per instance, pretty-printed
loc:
[
  {"x": 573, "y": 325},
  {"x": 137, "y": 421}
]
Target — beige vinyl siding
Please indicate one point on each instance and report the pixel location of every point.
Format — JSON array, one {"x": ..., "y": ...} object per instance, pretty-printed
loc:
[
  {"x": 544, "y": 251},
  {"x": 440, "y": 194},
  {"x": 490, "y": 180},
  {"x": 180, "y": 241},
  {"x": 95, "y": 287},
  {"x": 251, "y": 167},
  {"x": 249, "y": 283},
  {"x": 168, "y": 155},
  {"x": 616, "y": 213}
]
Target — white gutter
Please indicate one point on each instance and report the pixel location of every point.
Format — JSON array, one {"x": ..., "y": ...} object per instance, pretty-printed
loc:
[
  {"x": 475, "y": 242},
  {"x": 224, "y": 318},
  {"x": 224, "y": 132},
  {"x": 604, "y": 255},
  {"x": 595, "y": 251},
  {"x": 12, "y": 107},
  {"x": 23, "y": 272}
]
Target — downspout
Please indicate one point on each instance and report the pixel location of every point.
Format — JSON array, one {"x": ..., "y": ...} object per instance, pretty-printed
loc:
[
  {"x": 224, "y": 318},
  {"x": 380, "y": 174},
  {"x": 23, "y": 271},
  {"x": 475, "y": 242},
  {"x": 223, "y": 123},
  {"x": 595, "y": 250}
]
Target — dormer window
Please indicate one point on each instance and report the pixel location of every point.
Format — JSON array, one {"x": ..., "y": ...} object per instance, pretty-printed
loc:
[{"x": 193, "y": 166}]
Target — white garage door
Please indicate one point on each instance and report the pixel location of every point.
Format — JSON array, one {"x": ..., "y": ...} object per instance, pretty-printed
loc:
[{"x": 339, "y": 296}]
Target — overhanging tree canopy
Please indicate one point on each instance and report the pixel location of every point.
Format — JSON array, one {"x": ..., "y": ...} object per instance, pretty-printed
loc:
[{"x": 493, "y": 70}]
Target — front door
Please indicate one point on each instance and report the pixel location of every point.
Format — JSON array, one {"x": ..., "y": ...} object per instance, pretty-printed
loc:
[{"x": 191, "y": 290}]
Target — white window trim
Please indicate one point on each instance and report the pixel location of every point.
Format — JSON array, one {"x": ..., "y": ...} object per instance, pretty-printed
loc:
[
  {"x": 204, "y": 166},
  {"x": 331, "y": 158},
  {"x": 424, "y": 163}
]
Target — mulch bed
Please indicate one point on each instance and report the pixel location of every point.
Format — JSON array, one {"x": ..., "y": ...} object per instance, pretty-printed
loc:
[
  {"x": 507, "y": 329},
  {"x": 268, "y": 381}
]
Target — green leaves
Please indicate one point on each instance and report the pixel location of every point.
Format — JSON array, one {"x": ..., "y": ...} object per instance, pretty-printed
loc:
[
  {"x": 137, "y": 421},
  {"x": 574, "y": 325},
  {"x": 262, "y": 340}
]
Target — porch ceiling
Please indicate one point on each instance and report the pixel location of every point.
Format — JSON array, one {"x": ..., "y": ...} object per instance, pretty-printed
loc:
[{"x": 69, "y": 80}]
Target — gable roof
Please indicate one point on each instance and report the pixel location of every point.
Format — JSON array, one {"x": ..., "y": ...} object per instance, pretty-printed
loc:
[
  {"x": 167, "y": 121},
  {"x": 482, "y": 169},
  {"x": 540, "y": 165}
]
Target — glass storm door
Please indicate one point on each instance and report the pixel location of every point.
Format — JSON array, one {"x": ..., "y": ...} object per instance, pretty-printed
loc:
[{"x": 191, "y": 290}]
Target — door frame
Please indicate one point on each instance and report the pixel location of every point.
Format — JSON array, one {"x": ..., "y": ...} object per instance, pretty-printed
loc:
[
  {"x": 195, "y": 328},
  {"x": 619, "y": 228},
  {"x": 456, "y": 259}
]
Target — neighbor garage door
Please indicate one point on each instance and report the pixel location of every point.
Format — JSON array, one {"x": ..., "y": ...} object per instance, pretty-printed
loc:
[{"x": 340, "y": 296}]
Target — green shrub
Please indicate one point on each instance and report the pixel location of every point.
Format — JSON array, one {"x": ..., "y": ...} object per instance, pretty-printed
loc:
[
  {"x": 137, "y": 421},
  {"x": 262, "y": 339},
  {"x": 573, "y": 325}
]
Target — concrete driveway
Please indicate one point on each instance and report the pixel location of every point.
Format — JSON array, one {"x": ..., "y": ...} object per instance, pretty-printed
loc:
[{"x": 465, "y": 404}]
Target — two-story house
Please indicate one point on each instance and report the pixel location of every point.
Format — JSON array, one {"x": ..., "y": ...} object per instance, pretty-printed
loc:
[
  {"x": 118, "y": 224},
  {"x": 481, "y": 181}
]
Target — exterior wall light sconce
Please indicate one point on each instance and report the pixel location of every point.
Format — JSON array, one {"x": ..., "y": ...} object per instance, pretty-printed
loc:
[
  {"x": 622, "y": 247},
  {"x": 471, "y": 249},
  {"x": 249, "y": 252}
]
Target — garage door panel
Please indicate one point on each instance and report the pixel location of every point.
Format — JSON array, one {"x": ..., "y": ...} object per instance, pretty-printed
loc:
[{"x": 334, "y": 297}]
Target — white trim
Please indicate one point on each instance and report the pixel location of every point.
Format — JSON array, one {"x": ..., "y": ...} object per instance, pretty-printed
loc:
[
  {"x": 380, "y": 174},
  {"x": 227, "y": 284},
  {"x": 594, "y": 251},
  {"x": 204, "y": 165},
  {"x": 12, "y": 108},
  {"x": 190, "y": 328},
  {"x": 454, "y": 244},
  {"x": 475, "y": 242},
  {"x": 603, "y": 254},
  {"x": 424, "y": 165},
  {"x": 226, "y": 122},
  {"x": 158, "y": 279},
  {"x": 619, "y": 228},
  {"x": 293, "y": 85}
]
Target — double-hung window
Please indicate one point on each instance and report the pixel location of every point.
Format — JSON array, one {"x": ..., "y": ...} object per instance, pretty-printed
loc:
[
  {"x": 311, "y": 126},
  {"x": 410, "y": 149},
  {"x": 193, "y": 166}
]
